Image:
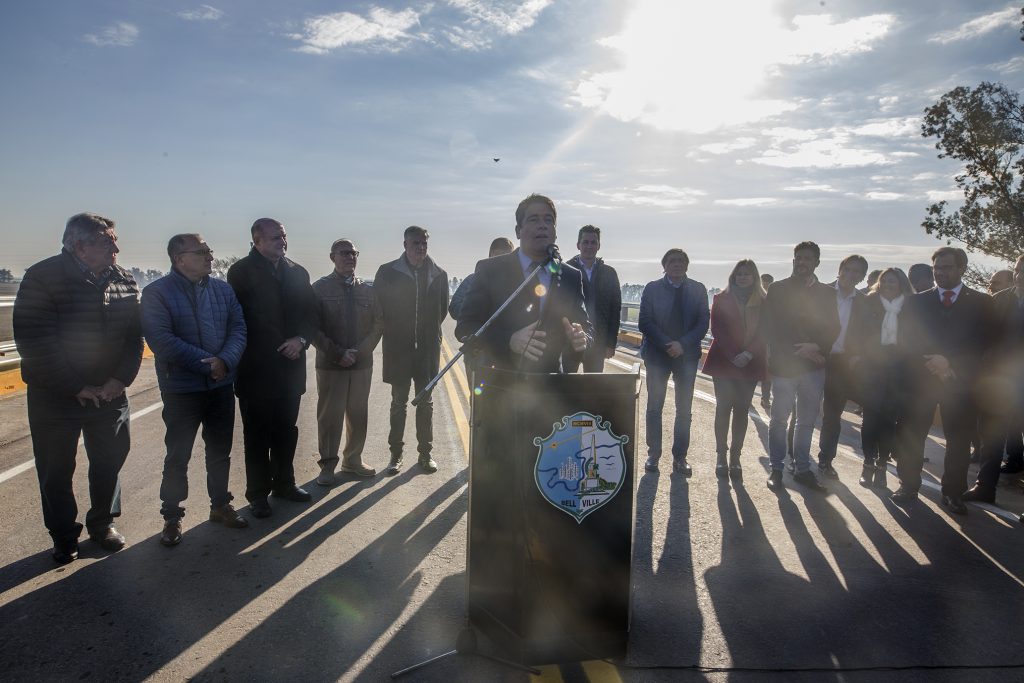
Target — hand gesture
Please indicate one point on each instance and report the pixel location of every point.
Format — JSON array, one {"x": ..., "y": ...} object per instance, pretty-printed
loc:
[
  {"x": 528, "y": 342},
  {"x": 575, "y": 334},
  {"x": 218, "y": 369},
  {"x": 291, "y": 348}
]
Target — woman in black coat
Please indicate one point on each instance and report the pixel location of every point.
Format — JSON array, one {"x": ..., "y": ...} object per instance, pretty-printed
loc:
[{"x": 880, "y": 362}]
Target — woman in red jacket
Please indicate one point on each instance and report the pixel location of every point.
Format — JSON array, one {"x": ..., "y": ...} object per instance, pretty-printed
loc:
[{"x": 736, "y": 360}]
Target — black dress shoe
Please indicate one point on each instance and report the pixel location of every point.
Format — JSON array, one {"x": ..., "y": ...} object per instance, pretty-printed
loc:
[
  {"x": 955, "y": 505},
  {"x": 721, "y": 471},
  {"x": 827, "y": 470},
  {"x": 68, "y": 552},
  {"x": 109, "y": 539},
  {"x": 295, "y": 494},
  {"x": 775, "y": 480},
  {"x": 809, "y": 480},
  {"x": 979, "y": 494},
  {"x": 1011, "y": 467},
  {"x": 903, "y": 496},
  {"x": 682, "y": 467},
  {"x": 260, "y": 508}
]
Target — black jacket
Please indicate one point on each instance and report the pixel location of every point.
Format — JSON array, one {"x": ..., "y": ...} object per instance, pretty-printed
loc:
[
  {"x": 404, "y": 355},
  {"x": 603, "y": 297},
  {"x": 275, "y": 309},
  {"x": 496, "y": 279},
  {"x": 72, "y": 332},
  {"x": 962, "y": 333},
  {"x": 795, "y": 313}
]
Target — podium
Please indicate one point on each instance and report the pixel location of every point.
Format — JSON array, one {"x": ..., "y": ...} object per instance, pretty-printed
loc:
[{"x": 551, "y": 504}]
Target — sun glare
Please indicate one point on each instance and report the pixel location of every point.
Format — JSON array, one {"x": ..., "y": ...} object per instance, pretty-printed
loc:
[{"x": 699, "y": 66}]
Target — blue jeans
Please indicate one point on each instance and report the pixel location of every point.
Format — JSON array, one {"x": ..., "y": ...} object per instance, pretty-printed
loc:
[
  {"x": 803, "y": 393},
  {"x": 683, "y": 371},
  {"x": 183, "y": 413}
]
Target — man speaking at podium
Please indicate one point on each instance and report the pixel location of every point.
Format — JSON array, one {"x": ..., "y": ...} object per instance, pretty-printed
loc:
[{"x": 547, "y": 317}]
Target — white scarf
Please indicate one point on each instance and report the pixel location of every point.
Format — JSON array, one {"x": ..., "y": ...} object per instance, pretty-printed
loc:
[{"x": 890, "y": 323}]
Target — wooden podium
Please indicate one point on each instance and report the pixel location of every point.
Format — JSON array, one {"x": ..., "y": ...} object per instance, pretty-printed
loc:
[{"x": 551, "y": 503}]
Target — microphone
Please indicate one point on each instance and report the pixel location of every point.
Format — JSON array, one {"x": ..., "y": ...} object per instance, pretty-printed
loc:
[{"x": 553, "y": 255}]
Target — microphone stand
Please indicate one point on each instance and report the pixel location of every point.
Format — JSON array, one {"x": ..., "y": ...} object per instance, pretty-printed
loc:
[{"x": 474, "y": 338}]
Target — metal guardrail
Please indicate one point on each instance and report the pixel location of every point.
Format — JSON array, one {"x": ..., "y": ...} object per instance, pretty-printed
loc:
[
  {"x": 9, "y": 358},
  {"x": 629, "y": 321}
]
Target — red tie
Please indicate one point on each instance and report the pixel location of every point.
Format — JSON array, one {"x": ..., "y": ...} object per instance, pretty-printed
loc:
[{"x": 947, "y": 298}]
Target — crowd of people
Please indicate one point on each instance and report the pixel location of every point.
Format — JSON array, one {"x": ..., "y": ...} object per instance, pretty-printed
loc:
[{"x": 899, "y": 349}]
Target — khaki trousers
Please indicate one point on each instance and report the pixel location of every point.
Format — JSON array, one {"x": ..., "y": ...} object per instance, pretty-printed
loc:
[{"x": 343, "y": 402}]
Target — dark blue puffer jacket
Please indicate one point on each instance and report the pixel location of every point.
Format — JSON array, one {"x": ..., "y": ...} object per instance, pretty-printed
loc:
[{"x": 184, "y": 323}]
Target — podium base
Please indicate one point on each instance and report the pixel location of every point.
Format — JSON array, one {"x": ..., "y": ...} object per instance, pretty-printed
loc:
[{"x": 466, "y": 644}]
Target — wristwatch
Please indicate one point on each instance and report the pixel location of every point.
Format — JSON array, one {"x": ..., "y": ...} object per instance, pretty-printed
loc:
[{"x": 305, "y": 344}]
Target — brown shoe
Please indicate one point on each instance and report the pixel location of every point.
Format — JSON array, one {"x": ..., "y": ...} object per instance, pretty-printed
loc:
[
  {"x": 171, "y": 535},
  {"x": 359, "y": 469},
  {"x": 228, "y": 516}
]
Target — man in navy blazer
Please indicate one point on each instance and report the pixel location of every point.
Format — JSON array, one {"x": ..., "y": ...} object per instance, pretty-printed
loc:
[
  {"x": 950, "y": 327},
  {"x": 547, "y": 318},
  {"x": 674, "y": 317}
]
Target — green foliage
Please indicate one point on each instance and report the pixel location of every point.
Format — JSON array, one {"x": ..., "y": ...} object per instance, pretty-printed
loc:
[{"x": 982, "y": 127}]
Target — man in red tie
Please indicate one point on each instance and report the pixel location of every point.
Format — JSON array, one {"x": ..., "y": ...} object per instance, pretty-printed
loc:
[{"x": 950, "y": 326}]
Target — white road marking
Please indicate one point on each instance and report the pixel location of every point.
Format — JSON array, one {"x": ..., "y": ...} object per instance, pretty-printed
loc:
[{"x": 26, "y": 466}]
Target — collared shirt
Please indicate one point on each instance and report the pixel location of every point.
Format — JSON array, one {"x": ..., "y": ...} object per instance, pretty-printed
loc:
[
  {"x": 845, "y": 306},
  {"x": 955, "y": 290},
  {"x": 588, "y": 271},
  {"x": 675, "y": 285},
  {"x": 100, "y": 278},
  {"x": 544, "y": 275}
]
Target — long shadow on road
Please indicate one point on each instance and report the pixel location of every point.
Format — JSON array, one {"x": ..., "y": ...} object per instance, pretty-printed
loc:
[{"x": 133, "y": 613}]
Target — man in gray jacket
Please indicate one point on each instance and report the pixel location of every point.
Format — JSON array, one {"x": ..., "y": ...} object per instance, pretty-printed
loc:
[
  {"x": 349, "y": 325},
  {"x": 195, "y": 327}
]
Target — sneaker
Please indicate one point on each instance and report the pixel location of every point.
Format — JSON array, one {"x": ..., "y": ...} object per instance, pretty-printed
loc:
[
  {"x": 395, "y": 466},
  {"x": 326, "y": 478},
  {"x": 110, "y": 539},
  {"x": 651, "y": 465},
  {"x": 228, "y": 516},
  {"x": 171, "y": 535},
  {"x": 809, "y": 480},
  {"x": 427, "y": 464},
  {"x": 1009, "y": 467},
  {"x": 359, "y": 469},
  {"x": 775, "y": 480},
  {"x": 826, "y": 470}
]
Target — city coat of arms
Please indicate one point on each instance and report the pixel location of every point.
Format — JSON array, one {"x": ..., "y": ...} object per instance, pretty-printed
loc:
[{"x": 580, "y": 465}]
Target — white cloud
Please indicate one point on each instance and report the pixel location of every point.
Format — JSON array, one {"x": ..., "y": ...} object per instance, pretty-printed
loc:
[
  {"x": 926, "y": 177},
  {"x": 891, "y": 128},
  {"x": 700, "y": 66},
  {"x": 381, "y": 29},
  {"x": 747, "y": 201},
  {"x": 726, "y": 147},
  {"x": 202, "y": 13},
  {"x": 888, "y": 103},
  {"x": 118, "y": 34},
  {"x": 1009, "y": 66},
  {"x": 979, "y": 26},
  {"x": 661, "y": 196},
  {"x": 811, "y": 187},
  {"x": 877, "y": 196},
  {"x": 509, "y": 17},
  {"x": 944, "y": 195},
  {"x": 828, "y": 152}
]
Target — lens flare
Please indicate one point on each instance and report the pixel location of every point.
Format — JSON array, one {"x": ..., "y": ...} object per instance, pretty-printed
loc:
[{"x": 540, "y": 290}]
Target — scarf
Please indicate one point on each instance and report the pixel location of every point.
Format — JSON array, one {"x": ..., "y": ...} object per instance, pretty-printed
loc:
[{"x": 890, "y": 323}]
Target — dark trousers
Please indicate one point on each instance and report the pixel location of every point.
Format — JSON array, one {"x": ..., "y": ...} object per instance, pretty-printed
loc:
[
  {"x": 183, "y": 414},
  {"x": 592, "y": 359},
  {"x": 1002, "y": 425},
  {"x": 56, "y": 422},
  {"x": 270, "y": 435},
  {"x": 884, "y": 399},
  {"x": 732, "y": 399},
  {"x": 424, "y": 416},
  {"x": 839, "y": 388},
  {"x": 959, "y": 421}
]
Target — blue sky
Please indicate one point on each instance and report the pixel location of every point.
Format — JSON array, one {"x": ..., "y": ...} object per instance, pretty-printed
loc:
[{"x": 728, "y": 129}]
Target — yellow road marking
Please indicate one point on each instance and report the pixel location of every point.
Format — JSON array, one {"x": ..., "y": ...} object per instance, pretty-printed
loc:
[
  {"x": 10, "y": 382},
  {"x": 548, "y": 674},
  {"x": 601, "y": 672},
  {"x": 461, "y": 420}
]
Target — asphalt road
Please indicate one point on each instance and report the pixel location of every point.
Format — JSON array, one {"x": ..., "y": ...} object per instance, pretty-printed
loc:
[{"x": 730, "y": 581}]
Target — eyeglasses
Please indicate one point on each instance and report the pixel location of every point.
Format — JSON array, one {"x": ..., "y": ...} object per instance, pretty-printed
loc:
[
  {"x": 201, "y": 252},
  {"x": 347, "y": 252}
]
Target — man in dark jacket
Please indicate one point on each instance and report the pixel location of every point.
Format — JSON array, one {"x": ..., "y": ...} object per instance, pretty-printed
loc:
[
  {"x": 413, "y": 295},
  {"x": 76, "y": 324},
  {"x": 674, "y": 318},
  {"x": 800, "y": 323},
  {"x": 195, "y": 327},
  {"x": 603, "y": 296},
  {"x": 546, "y": 319},
  {"x": 279, "y": 309},
  {"x": 839, "y": 380},
  {"x": 349, "y": 325},
  {"x": 949, "y": 329}
]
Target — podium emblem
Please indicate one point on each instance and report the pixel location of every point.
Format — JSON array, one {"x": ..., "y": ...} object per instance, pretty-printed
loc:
[{"x": 581, "y": 465}]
